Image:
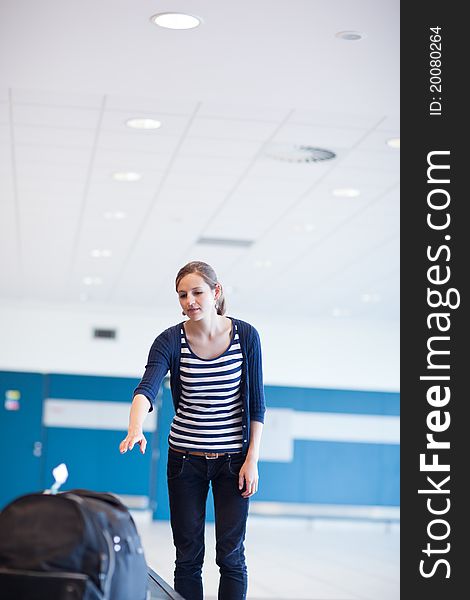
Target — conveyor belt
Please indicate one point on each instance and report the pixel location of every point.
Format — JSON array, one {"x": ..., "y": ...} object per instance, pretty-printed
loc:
[
  {"x": 159, "y": 589},
  {"x": 34, "y": 585}
]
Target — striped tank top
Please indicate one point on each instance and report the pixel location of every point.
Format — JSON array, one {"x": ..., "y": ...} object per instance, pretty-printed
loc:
[{"x": 209, "y": 415}]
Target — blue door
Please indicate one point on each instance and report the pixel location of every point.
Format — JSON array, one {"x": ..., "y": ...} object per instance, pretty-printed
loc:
[{"x": 20, "y": 434}]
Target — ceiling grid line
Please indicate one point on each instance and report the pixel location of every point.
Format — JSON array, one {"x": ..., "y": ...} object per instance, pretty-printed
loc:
[
  {"x": 395, "y": 272},
  {"x": 63, "y": 210},
  {"x": 83, "y": 205},
  {"x": 54, "y": 127},
  {"x": 238, "y": 119},
  {"x": 239, "y": 180},
  {"x": 91, "y": 108},
  {"x": 358, "y": 259},
  {"x": 347, "y": 221},
  {"x": 317, "y": 182},
  {"x": 153, "y": 202},
  {"x": 246, "y": 171}
]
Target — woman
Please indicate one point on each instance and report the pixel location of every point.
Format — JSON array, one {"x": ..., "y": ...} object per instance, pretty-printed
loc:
[{"x": 217, "y": 388}]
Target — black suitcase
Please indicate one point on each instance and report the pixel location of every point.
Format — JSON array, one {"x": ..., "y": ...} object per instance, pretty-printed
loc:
[
  {"x": 37, "y": 585},
  {"x": 76, "y": 545}
]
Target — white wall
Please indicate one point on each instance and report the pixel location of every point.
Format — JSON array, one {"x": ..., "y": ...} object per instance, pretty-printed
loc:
[{"x": 331, "y": 353}]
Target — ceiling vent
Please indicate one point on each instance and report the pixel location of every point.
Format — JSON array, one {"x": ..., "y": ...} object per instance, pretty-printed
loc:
[
  {"x": 299, "y": 154},
  {"x": 104, "y": 334},
  {"x": 228, "y": 243}
]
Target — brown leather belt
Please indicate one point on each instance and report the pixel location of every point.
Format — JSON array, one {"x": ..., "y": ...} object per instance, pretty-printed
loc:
[{"x": 208, "y": 455}]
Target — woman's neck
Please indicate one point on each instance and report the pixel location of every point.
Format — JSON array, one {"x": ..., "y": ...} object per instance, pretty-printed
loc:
[{"x": 207, "y": 328}]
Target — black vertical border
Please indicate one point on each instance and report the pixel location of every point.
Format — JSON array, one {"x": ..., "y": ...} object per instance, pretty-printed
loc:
[{"x": 422, "y": 133}]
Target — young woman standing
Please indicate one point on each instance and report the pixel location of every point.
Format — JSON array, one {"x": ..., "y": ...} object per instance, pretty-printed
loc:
[{"x": 217, "y": 388}]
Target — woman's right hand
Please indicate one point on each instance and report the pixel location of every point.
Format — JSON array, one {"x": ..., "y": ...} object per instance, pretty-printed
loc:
[{"x": 134, "y": 436}]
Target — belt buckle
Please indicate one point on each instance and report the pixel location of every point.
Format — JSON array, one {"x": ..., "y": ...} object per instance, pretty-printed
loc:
[{"x": 211, "y": 455}]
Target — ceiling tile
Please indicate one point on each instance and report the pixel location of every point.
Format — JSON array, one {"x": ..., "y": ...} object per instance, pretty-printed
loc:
[
  {"x": 63, "y": 98},
  {"x": 56, "y": 117},
  {"x": 128, "y": 160},
  {"x": 266, "y": 166},
  {"x": 343, "y": 120},
  {"x": 135, "y": 104},
  {"x": 390, "y": 123},
  {"x": 131, "y": 141},
  {"x": 360, "y": 178},
  {"x": 240, "y": 112},
  {"x": 50, "y": 136},
  {"x": 52, "y": 154},
  {"x": 151, "y": 178},
  {"x": 231, "y": 129},
  {"x": 212, "y": 177},
  {"x": 371, "y": 160},
  {"x": 264, "y": 188},
  {"x": 318, "y": 136},
  {"x": 219, "y": 165},
  {"x": 221, "y": 182},
  {"x": 4, "y": 115},
  {"x": 376, "y": 141},
  {"x": 208, "y": 148},
  {"x": 49, "y": 170},
  {"x": 36, "y": 188}
]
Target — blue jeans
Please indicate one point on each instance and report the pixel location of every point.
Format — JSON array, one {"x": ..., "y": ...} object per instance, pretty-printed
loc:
[{"x": 188, "y": 485}]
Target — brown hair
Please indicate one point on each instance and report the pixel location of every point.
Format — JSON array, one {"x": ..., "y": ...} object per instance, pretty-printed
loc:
[{"x": 209, "y": 276}]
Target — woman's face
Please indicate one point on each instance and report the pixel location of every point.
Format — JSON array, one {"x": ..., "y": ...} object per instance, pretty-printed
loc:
[{"x": 196, "y": 297}]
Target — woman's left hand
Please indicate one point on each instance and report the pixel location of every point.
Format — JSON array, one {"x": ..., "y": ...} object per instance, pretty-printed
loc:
[{"x": 248, "y": 476}]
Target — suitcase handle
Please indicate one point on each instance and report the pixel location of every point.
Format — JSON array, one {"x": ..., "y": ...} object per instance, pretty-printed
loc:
[{"x": 103, "y": 496}]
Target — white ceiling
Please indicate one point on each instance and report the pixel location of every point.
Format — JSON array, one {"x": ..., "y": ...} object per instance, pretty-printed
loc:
[{"x": 253, "y": 75}]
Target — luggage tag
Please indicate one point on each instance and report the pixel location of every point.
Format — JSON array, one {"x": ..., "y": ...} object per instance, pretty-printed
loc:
[{"x": 60, "y": 474}]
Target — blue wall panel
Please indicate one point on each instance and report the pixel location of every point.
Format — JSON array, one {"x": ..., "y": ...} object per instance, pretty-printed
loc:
[
  {"x": 321, "y": 472},
  {"x": 92, "y": 455},
  {"x": 90, "y": 387},
  {"x": 333, "y": 473},
  {"x": 94, "y": 462},
  {"x": 20, "y": 430},
  {"x": 334, "y": 401}
]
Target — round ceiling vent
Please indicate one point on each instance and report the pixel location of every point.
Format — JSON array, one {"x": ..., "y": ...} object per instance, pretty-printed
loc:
[{"x": 299, "y": 154}]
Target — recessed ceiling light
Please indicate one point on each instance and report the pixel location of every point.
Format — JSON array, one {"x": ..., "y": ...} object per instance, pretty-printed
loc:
[
  {"x": 304, "y": 227},
  {"x": 126, "y": 176},
  {"x": 350, "y": 36},
  {"x": 394, "y": 143},
  {"x": 101, "y": 253},
  {"x": 116, "y": 215},
  {"x": 176, "y": 20},
  {"x": 92, "y": 280},
  {"x": 346, "y": 193},
  {"x": 142, "y": 123},
  {"x": 263, "y": 264},
  {"x": 371, "y": 297},
  {"x": 341, "y": 312}
]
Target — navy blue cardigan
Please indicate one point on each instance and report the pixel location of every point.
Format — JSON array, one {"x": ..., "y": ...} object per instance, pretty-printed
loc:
[{"x": 164, "y": 356}]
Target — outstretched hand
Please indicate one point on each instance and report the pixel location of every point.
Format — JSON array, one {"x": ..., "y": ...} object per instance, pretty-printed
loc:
[{"x": 133, "y": 437}]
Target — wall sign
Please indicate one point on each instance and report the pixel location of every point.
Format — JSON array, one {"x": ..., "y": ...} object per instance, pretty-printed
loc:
[{"x": 12, "y": 399}]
